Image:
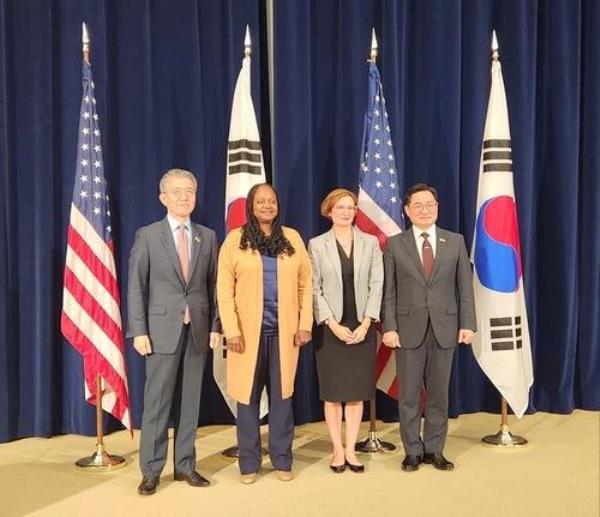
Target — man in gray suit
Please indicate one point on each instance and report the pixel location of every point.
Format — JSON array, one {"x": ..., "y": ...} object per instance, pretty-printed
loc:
[
  {"x": 172, "y": 318},
  {"x": 428, "y": 307}
]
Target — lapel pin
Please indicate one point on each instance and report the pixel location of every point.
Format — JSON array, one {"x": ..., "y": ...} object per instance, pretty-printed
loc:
[
  {"x": 196, "y": 239},
  {"x": 442, "y": 239}
]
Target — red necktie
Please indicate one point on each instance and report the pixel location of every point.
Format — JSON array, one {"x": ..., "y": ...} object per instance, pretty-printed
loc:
[
  {"x": 184, "y": 261},
  {"x": 427, "y": 253}
]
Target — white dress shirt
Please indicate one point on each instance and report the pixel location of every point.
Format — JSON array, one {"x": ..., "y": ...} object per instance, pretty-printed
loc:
[
  {"x": 175, "y": 225},
  {"x": 431, "y": 237}
]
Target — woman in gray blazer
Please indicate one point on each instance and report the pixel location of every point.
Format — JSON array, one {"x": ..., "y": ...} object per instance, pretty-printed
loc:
[{"x": 347, "y": 289}]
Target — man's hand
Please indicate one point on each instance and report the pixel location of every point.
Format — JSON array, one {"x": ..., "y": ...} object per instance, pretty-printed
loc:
[
  {"x": 214, "y": 340},
  {"x": 302, "y": 337},
  {"x": 341, "y": 332},
  {"x": 465, "y": 336},
  {"x": 391, "y": 339},
  {"x": 142, "y": 345},
  {"x": 236, "y": 344}
]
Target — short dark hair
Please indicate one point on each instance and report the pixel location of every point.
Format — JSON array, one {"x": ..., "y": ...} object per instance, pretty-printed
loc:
[{"x": 420, "y": 187}]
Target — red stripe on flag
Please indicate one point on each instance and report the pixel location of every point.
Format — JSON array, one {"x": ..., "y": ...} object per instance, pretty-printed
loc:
[
  {"x": 95, "y": 311},
  {"x": 393, "y": 389},
  {"x": 99, "y": 270},
  {"x": 383, "y": 356},
  {"x": 368, "y": 226},
  {"x": 95, "y": 363}
]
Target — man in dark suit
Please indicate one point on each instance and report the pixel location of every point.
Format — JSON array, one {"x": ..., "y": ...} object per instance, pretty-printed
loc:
[
  {"x": 172, "y": 318},
  {"x": 428, "y": 308}
]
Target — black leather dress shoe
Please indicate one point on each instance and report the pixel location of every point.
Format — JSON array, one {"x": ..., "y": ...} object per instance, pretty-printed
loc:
[
  {"x": 355, "y": 468},
  {"x": 411, "y": 463},
  {"x": 438, "y": 461},
  {"x": 148, "y": 486},
  {"x": 338, "y": 469},
  {"x": 193, "y": 479}
]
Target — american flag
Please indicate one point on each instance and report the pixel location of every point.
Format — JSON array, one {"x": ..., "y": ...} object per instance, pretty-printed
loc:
[
  {"x": 379, "y": 202},
  {"x": 91, "y": 317}
]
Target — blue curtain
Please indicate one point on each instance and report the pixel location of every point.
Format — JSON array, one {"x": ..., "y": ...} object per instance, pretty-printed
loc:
[
  {"x": 165, "y": 73},
  {"x": 435, "y": 65}
]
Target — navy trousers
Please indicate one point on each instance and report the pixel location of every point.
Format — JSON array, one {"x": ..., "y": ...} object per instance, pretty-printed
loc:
[{"x": 281, "y": 416}]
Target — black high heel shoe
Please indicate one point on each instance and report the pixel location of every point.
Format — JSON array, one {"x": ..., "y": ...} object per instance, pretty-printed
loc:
[
  {"x": 359, "y": 469},
  {"x": 338, "y": 469}
]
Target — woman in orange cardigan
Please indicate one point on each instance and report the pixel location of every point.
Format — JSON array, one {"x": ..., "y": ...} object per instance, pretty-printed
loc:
[{"x": 264, "y": 292}]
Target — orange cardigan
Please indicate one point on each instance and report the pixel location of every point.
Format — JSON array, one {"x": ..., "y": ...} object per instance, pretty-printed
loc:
[{"x": 240, "y": 299}]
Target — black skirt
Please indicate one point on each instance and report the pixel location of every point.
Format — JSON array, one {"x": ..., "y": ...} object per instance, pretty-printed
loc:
[{"x": 346, "y": 372}]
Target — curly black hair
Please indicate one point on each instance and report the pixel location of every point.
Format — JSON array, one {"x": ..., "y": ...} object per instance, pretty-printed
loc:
[{"x": 254, "y": 238}]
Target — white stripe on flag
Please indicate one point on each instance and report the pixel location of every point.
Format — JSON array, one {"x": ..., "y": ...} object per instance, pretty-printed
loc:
[
  {"x": 93, "y": 240},
  {"x": 93, "y": 285},
  {"x": 372, "y": 210},
  {"x": 388, "y": 374},
  {"x": 105, "y": 346}
]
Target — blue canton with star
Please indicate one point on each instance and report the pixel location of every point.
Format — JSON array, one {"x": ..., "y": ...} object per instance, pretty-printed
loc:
[
  {"x": 89, "y": 193},
  {"x": 378, "y": 170}
]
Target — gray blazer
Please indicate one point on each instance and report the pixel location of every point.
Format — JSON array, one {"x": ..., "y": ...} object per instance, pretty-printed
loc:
[
  {"x": 157, "y": 294},
  {"x": 328, "y": 293},
  {"x": 410, "y": 299}
]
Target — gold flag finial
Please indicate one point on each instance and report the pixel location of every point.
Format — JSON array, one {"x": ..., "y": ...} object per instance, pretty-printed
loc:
[
  {"x": 85, "y": 42},
  {"x": 374, "y": 47},
  {"x": 247, "y": 43}
]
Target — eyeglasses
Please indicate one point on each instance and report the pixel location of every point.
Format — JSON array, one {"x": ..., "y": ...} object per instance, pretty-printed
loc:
[
  {"x": 178, "y": 192},
  {"x": 418, "y": 207},
  {"x": 341, "y": 208}
]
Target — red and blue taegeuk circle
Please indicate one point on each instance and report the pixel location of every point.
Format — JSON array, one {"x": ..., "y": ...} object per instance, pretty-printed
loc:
[{"x": 497, "y": 249}]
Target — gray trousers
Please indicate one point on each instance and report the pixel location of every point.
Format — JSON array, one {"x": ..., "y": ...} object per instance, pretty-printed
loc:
[
  {"x": 281, "y": 416},
  {"x": 171, "y": 378},
  {"x": 428, "y": 364}
]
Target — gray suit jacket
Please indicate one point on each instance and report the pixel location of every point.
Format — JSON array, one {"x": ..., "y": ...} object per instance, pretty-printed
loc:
[
  {"x": 409, "y": 299},
  {"x": 157, "y": 293},
  {"x": 328, "y": 293}
]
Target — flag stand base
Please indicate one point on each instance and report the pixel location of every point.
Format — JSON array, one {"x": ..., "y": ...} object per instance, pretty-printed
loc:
[
  {"x": 234, "y": 452},
  {"x": 100, "y": 461},
  {"x": 373, "y": 444},
  {"x": 504, "y": 438}
]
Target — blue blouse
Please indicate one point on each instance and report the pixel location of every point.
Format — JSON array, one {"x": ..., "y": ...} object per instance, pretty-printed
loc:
[{"x": 269, "y": 323}]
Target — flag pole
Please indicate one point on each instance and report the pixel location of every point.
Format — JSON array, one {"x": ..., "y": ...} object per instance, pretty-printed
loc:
[
  {"x": 100, "y": 460},
  {"x": 503, "y": 438},
  {"x": 372, "y": 443},
  {"x": 234, "y": 451}
]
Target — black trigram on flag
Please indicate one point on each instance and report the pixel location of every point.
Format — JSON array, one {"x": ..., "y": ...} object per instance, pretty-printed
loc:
[
  {"x": 497, "y": 156},
  {"x": 505, "y": 333},
  {"x": 244, "y": 156}
]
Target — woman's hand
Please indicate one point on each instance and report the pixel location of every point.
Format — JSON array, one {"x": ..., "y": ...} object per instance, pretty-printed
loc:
[
  {"x": 361, "y": 331},
  {"x": 302, "y": 337},
  {"x": 341, "y": 332},
  {"x": 236, "y": 344}
]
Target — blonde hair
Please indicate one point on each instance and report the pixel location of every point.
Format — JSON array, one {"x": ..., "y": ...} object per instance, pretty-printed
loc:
[{"x": 333, "y": 197}]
